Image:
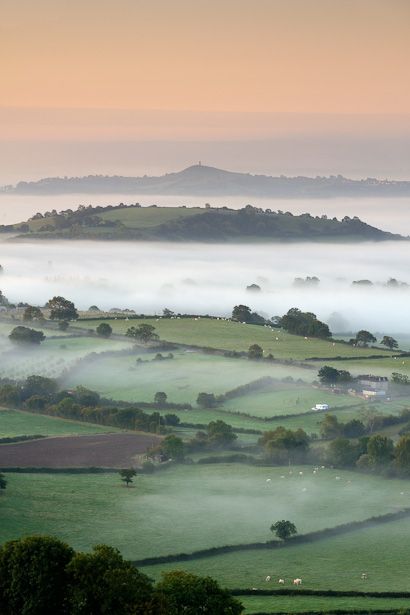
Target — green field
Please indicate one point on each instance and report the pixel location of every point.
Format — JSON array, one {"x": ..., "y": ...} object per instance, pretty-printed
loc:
[
  {"x": 286, "y": 400},
  {"x": 236, "y": 336},
  {"x": 53, "y": 356},
  {"x": 182, "y": 378},
  {"x": 146, "y": 217},
  {"x": 333, "y": 563},
  {"x": 186, "y": 508},
  {"x": 20, "y": 423},
  {"x": 295, "y": 604}
]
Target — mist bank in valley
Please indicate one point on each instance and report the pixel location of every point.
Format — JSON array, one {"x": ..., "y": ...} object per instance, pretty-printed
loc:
[{"x": 147, "y": 277}]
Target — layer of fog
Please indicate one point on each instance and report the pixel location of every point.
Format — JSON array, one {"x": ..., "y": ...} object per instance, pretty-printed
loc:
[
  {"x": 200, "y": 278},
  {"x": 388, "y": 214}
]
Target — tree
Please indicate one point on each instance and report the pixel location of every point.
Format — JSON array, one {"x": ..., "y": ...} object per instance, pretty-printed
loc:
[
  {"x": 353, "y": 429},
  {"x": 26, "y": 336},
  {"x": 144, "y": 333},
  {"x": 283, "y": 529},
  {"x": 284, "y": 445},
  {"x": 160, "y": 398},
  {"x": 364, "y": 338},
  {"x": 173, "y": 448},
  {"x": 304, "y": 323},
  {"x": 402, "y": 455},
  {"x": 33, "y": 313},
  {"x": 400, "y": 378},
  {"x": 206, "y": 400},
  {"x": 127, "y": 475},
  {"x": 342, "y": 453},
  {"x": 33, "y": 576},
  {"x": 255, "y": 352},
  {"x": 331, "y": 375},
  {"x": 379, "y": 450},
  {"x": 220, "y": 434},
  {"x": 39, "y": 385},
  {"x": 104, "y": 329},
  {"x": 181, "y": 592},
  {"x": 102, "y": 582},
  {"x": 330, "y": 427},
  {"x": 62, "y": 309},
  {"x": 241, "y": 313},
  {"x": 3, "y": 481},
  {"x": 389, "y": 342}
]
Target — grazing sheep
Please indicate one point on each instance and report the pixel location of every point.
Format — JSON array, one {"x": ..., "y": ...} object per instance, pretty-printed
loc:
[
  {"x": 300, "y": 473},
  {"x": 268, "y": 480},
  {"x": 364, "y": 575},
  {"x": 281, "y": 581},
  {"x": 297, "y": 581},
  {"x": 267, "y": 578}
]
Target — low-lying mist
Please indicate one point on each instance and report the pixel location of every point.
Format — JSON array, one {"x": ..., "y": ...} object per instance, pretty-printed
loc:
[{"x": 209, "y": 278}]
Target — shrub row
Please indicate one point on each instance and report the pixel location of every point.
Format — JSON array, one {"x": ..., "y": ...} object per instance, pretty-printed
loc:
[
  {"x": 318, "y": 592},
  {"x": 12, "y": 439},
  {"x": 275, "y": 544}
]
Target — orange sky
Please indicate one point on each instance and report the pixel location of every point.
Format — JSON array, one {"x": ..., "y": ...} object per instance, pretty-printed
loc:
[{"x": 304, "y": 56}]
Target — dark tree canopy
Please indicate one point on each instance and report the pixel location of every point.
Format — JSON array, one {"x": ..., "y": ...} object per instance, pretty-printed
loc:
[
  {"x": 25, "y": 335},
  {"x": 103, "y": 582},
  {"x": 3, "y": 481},
  {"x": 104, "y": 329},
  {"x": 127, "y": 475},
  {"x": 33, "y": 313},
  {"x": 243, "y": 313},
  {"x": 255, "y": 352},
  {"x": 33, "y": 576},
  {"x": 220, "y": 434},
  {"x": 283, "y": 529},
  {"x": 189, "y": 594},
  {"x": 62, "y": 309},
  {"x": 304, "y": 323},
  {"x": 331, "y": 375},
  {"x": 389, "y": 342},
  {"x": 143, "y": 333},
  {"x": 364, "y": 338},
  {"x": 206, "y": 400}
]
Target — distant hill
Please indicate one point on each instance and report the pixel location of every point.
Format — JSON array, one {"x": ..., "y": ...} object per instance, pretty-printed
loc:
[
  {"x": 249, "y": 224},
  {"x": 199, "y": 180}
]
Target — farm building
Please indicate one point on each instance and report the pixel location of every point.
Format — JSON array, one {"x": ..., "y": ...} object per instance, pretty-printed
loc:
[{"x": 373, "y": 387}]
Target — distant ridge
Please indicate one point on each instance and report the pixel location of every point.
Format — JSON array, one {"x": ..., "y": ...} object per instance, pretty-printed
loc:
[{"x": 206, "y": 181}]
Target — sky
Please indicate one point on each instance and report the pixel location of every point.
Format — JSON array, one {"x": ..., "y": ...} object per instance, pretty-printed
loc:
[{"x": 90, "y": 73}]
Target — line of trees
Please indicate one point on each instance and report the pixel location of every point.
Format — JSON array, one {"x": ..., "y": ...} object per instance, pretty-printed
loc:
[{"x": 40, "y": 575}]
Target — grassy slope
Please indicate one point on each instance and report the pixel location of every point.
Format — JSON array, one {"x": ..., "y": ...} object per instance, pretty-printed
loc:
[
  {"x": 182, "y": 378},
  {"x": 52, "y": 356},
  {"x": 148, "y": 216},
  {"x": 191, "y": 507},
  {"x": 235, "y": 336},
  {"x": 295, "y": 604},
  {"x": 334, "y": 563},
  {"x": 19, "y": 423}
]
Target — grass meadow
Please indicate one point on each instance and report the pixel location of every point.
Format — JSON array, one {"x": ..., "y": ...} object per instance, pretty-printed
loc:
[
  {"x": 230, "y": 335},
  {"x": 20, "y": 423},
  {"x": 186, "y": 508}
]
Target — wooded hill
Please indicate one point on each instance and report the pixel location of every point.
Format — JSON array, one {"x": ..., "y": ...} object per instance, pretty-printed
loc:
[{"x": 208, "y": 224}]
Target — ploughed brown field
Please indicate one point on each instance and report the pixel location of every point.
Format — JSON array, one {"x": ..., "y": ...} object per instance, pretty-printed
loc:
[{"x": 117, "y": 450}]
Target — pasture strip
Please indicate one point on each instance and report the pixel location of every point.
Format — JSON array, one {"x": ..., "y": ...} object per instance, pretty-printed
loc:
[{"x": 276, "y": 544}]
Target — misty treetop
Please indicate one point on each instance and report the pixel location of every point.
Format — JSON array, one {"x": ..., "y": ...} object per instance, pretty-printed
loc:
[{"x": 304, "y": 323}]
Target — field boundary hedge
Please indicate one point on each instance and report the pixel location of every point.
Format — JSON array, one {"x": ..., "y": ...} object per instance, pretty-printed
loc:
[
  {"x": 339, "y": 612},
  {"x": 333, "y": 593},
  {"x": 276, "y": 544}
]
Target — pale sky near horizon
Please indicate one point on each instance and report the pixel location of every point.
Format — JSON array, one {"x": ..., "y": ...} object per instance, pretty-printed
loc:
[{"x": 89, "y": 70}]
